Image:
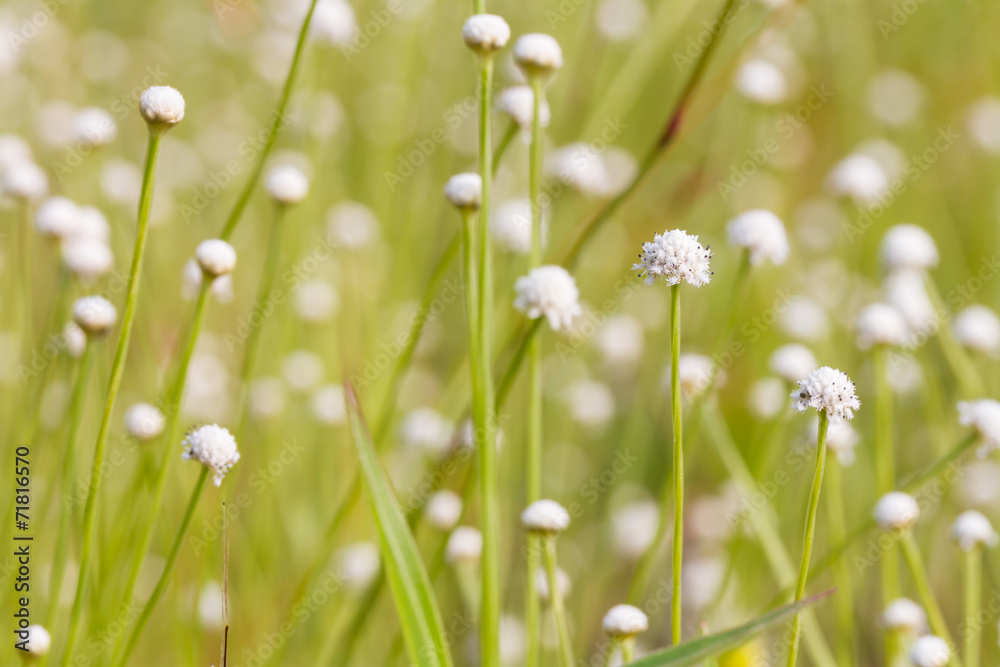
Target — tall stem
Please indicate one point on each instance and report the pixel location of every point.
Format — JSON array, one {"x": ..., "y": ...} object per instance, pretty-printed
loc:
[
  {"x": 807, "y": 543},
  {"x": 678, "y": 460},
  {"x": 911, "y": 553},
  {"x": 885, "y": 475},
  {"x": 117, "y": 371},
  {"x": 841, "y": 570},
  {"x": 556, "y": 601},
  {"x": 973, "y": 602}
]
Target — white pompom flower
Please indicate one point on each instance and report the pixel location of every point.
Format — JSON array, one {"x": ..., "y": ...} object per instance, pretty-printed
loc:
[
  {"x": 792, "y": 362},
  {"x": 880, "y": 324},
  {"x": 828, "y": 390},
  {"x": 464, "y": 544},
  {"x": 978, "y": 328},
  {"x": 214, "y": 447},
  {"x": 841, "y": 439},
  {"x": 144, "y": 421},
  {"x": 930, "y": 651},
  {"x": 485, "y": 33},
  {"x": 512, "y": 226},
  {"x": 86, "y": 258},
  {"x": 94, "y": 314},
  {"x": 908, "y": 247},
  {"x": 215, "y": 257},
  {"x": 904, "y": 615},
  {"x": 518, "y": 102},
  {"x": 39, "y": 641},
  {"x": 426, "y": 430},
  {"x": 95, "y": 126},
  {"x": 971, "y": 529},
  {"x": 761, "y": 233},
  {"x": 357, "y": 564},
  {"x": 546, "y": 517},
  {"x": 896, "y": 511},
  {"x": 860, "y": 178},
  {"x": 161, "y": 107},
  {"x": 675, "y": 256},
  {"x": 56, "y": 217},
  {"x": 328, "y": 405},
  {"x": 762, "y": 82},
  {"x": 696, "y": 373},
  {"x": 983, "y": 415},
  {"x": 287, "y": 185},
  {"x": 537, "y": 54},
  {"x": 624, "y": 620},
  {"x": 550, "y": 291},
  {"x": 334, "y": 22},
  {"x": 464, "y": 191},
  {"x": 443, "y": 510},
  {"x": 25, "y": 181}
]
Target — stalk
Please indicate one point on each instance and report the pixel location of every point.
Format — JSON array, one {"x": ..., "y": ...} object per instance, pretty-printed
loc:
[
  {"x": 911, "y": 553},
  {"x": 627, "y": 647},
  {"x": 678, "y": 460},
  {"x": 973, "y": 603},
  {"x": 885, "y": 474},
  {"x": 117, "y": 371},
  {"x": 800, "y": 589},
  {"x": 841, "y": 571},
  {"x": 556, "y": 601}
]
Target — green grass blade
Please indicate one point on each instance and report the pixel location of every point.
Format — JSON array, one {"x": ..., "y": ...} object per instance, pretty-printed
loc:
[
  {"x": 419, "y": 616},
  {"x": 696, "y": 650}
]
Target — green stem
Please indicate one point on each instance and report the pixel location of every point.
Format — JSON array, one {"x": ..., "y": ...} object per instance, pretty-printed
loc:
[
  {"x": 807, "y": 543},
  {"x": 973, "y": 603},
  {"x": 885, "y": 466},
  {"x": 627, "y": 646},
  {"x": 911, "y": 553},
  {"x": 841, "y": 570},
  {"x": 961, "y": 365},
  {"x": 504, "y": 144},
  {"x": 556, "y": 602},
  {"x": 678, "y": 460},
  {"x": 117, "y": 371},
  {"x": 168, "y": 567},
  {"x": 469, "y": 288}
]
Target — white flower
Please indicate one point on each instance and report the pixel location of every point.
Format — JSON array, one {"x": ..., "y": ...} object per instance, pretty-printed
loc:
[
  {"x": 76, "y": 339},
  {"x": 94, "y": 314},
  {"x": 545, "y": 516},
  {"x": 464, "y": 191},
  {"x": 591, "y": 403},
  {"x": 90, "y": 224},
  {"x": 215, "y": 257},
  {"x": 56, "y": 217},
  {"x": 880, "y": 324},
  {"x": 599, "y": 173},
  {"x": 550, "y": 291},
  {"x": 971, "y": 529},
  {"x": 895, "y": 96},
  {"x": 303, "y": 370},
  {"x": 13, "y": 150},
  {"x": 904, "y": 615},
  {"x": 564, "y": 584},
  {"x": 792, "y": 362},
  {"x": 443, "y": 509},
  {"x": 316, "y": 300},
  {"x": 621, "y": 340},
  {"x": 908, "y": 247},
  {"x": 333, "y": 22},
  {"x": 674, "y": 256},
  {"x": 328, "y": 406},
  {"x": 352, "y": 225},
  {"x": 464, "y": 544},
  {"x": 192, "y": 276},
  {"x": 144, "y": 421},
  {"x": 426, "y": 430},
  {"x": 95, "y": 126},
  {"x": 287, "y": 184},
  {"x": 624, "y": 620},
  {"x": 161, "y": 106},
  {"x": 25, "y": 181},
  {"x": 518, "y": 102},
  {"x": 841, "y": 439},
  {"x": 930, "y": 651},
  {"x": 978, "y": 328},
  {"x": 39, "y": 641},
  {"x": 762, "y": 82},
  {"x": 827, "y": 389},
  {"x": 512, "y": 640},
  {"x": 984, "y": 416},
  {"x": 358, "y": 564},
  {"x": 537, "y": 54},
  {"x": 86, "y": 258},
  {"x": 696, "y": 374},
  {"x": 896, "y": 511},
  {"x": 859, "y": 177},
  {"x": 214, "y": 447},
  {"x": 485, "y": 33},
  {"x": 906, "y": 291},
  {"x": 767, "y": 397},
  {"x": 621, "y": 20},
  {"x": 805, "y": 319},
  {"x": 762, "y": 233},
  {"x": 634, "y": 528},
  {"x": 210, "y": 601},
  {"x": 512, "y": 226},
  {"x": 983, "y": 122}
]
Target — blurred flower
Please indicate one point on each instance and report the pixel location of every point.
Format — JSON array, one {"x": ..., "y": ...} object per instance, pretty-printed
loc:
[
  {"x": 983, "y": 415},
  {"x": 792, "y": 362},
  {"x": 621, "y": 340},
  {"x": 39, "y": 641},
  {"x": 333, "y": 22},
  {"x": 210, "y": 601},
  {"x": 550, "y": 291},
  {"x": 634, "y": 528},
  {"x": 620, "y": 20},
  {"x": 761, "y": 233},
  {"x": 215, "y": 257},
  {"x": 906, "y": 291},
  {"x": 518, "y": 103},
  {"x": 971, "y": 529},
  {"x": 95, "y": 126},
  {"x": 303, "y": 370},
  {"x": 564, "y": 585},
  {"x": 908, "y": 247},
  {"x": 624, "y": 620},
  {"x": 316, "y": 300},
  {"x": 590, "y": 403},
  {"x": 805, "y": 319},
  {"x": 930, "y": 651},
  {"x": 696, "y": 373},
  {"x": 464, "y": 544},
  {"x": 286, "y": 184},
  {"x": 762, "y": 82},
  {"x": 860, "y": 178},
  {"x": 545, "y": 516},
  {"x": 895, "y": 97},
  {"x": 267, "y": 398},
  {"x": 358, "y": 564},
  {"x": 983, "y": 122},
  {"x": 443, "y": 509},
  {"x": 352, "y": 225},
  {"x": 426, "y": 430},
  {"x": 512, "y": 226},
  {"x": 24, "y": 181},
  {"x": 978, "y": 328},
  {"x": 144, "y": 421},
  {"x": 94, "y": 314},
  {"x": 485, "y": 33},
  {"x": 767, "y": 397},
  {"x": 464, "y": 191},
  {"x": 904, "y": 615},
  {"x": 328, "y": 406},
  {"x": 896, "y": 511},
  {"x": 880, "y": 324},
  {"x": 537, "y": 54},
  {"x": 841, "y": 439}
]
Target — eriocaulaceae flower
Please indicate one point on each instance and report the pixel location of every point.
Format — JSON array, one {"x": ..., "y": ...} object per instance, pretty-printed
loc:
[
  {"x": 675, "y": 256},
  {"x": 550, "y": 291},
  {"x": 214, "y": 447},
  {"x": 829, "y": 390}
]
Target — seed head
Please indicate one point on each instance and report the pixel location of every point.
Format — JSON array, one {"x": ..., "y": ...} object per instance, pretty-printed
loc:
[
  {"x": 624, "y": 620},
  {"x": 978, "y": 328},
  {"x": 545, "y": 516},
  {"x": 443, "y": 509},
  {"x": 56, "y": 217},
  {"x": 762, "y": 233},
  {"x": 793, "y": 362},
  {"x": 880, "y": 324},
  {"x": 287, "y": 185},
  {"x": 930, "y": 651},
  {"x": 762, "y": 82},
  {"x": 464, "y": 544},
  {"x": 904, "y": 615},
  {"x": 537, "y": 54},
  {"x": 144, "y": 421},
  {"x": 984, "y": 416},
  {"x": 972, "y": 529},
  {"x": 39, "y": 640},
  {"x": 908, "y": 247},
  {"x": 518, "y": 102},
  {"x": 464, "y": 191},
  {"x": 86, "y": 258}
]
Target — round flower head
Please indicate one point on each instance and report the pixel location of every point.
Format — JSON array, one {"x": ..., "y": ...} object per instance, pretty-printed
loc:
[
  {"x": 696, "y": 373},
  {"x": 624, "y": 620},
  {"x": 978, "y": 328},
  {"x": 896, "y": 511},
  {"x": 880, "y": 324},
  {"x": 192, "y": 277},
  {"x": 464, "y": 544},
  {"x": 564, "y": 585},
  {"x": 930, "y": 651},
  {"x": 674, "y": 256},
  {"x": 76, "y": 339},
  {"x": 537, "y": 54},
  {"x": 144, "y": 421},
  {"x": 904, "y": 615},
  {"x": 464, "y": 191},
  {"x": 805, "y": 319},
  {"x": 94, "y": 314},
  {"x": 906, "y": 291},
  {"x": 358, "y": 564},
  {"x": 39, "y": 641},
  {"x": 829, "y": 390},
  {"x": 792, "y": 362},
  {"x": 287, "y": 185},
  {"x": 763, "y": 235},
  {"x": 352, "y": 225},
  {"x": 762, "y": 82},
  {"x": 908, "y": 247},
  {"x": 550, "y": 291},
  {"x": 545, "y": 516},
  {"x": 984, "y": 416},
  {"x": 426, "y": 430},
  {"x": 87, "y": 258},
  {"x": 590, "y": 403},
  {"x": 95, "y": 126},
  {"x": 621, "y": 340},
  {"x": 316, "y": 300},
  {"x": 766, "y": 397},
  {"x": 511, "y": 226},
  {"x": 633, "y": 528},
  {"x": 214, "y": 447},
  {"x": 334, "y": 22},
  {"x": 161, "y": 107},
  {"x": 859, "y": 177},
  {"x": 983, "y": 122},
  {"x": 328, "y": 406},
  {"x": 972, "y": 529},
  {"x": 485, "y": 33},
  {"x": 25, "y": 181},
  {"x": 215, "y": 257},
  {"x": 303, "y": 370},
  {"x": 443, "y": 509},
  {"x": 841, "y": 439},
  {"x": 56, "y": 217},
  {"x": 518, "y": 102},
  {"x": 90, "y": 224}
]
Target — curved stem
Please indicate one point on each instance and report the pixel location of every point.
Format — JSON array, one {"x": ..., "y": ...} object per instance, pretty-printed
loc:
[
  {"x": 678, "y": 460},
  {"x": 556, "y": 601}
]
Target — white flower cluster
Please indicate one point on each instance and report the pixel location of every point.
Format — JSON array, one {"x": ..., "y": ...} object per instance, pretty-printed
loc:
[
  {"x": 214, "y": 447},
  {"x": 761, "y": 233},
  {"x": 984, "y": 416},
  {"x": 829, "y": 390},
  {"x": 550, "y": 291},
  {"x": 675, "y": 256}
]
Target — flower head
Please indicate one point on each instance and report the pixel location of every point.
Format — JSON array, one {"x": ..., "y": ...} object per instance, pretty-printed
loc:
[
  {"x": 537, "y": 54},
  {"x": 564, "y": 585},
  {"x": 930, "y": 651},
  {"x": 972, "y": 529},
  {"x": 144, "y": 421},
  {"x": 443, "y": 509},
  {"x": 762, "y": 233},
  {"x": 675, "y": 256},
  {"x": 86, "y": 258},
  {"x": 984, "y": 416},
  {"x": 39, "y": 640},
  {"x": 464, "y": 191},
  {"x": 94, "y": 314},
  {"x": 214, "y": 447},
  {"x": 334, "y": 22},
  {"x": 978, "y": 328},
  {"x": 358, "y": 563},
  {"x": 464, "y": 544},
  {"x": 518, "y": 102},
  {"x": 696, "y": 374},
  {"x": 512, "y": 226},
  {"x": 829, "y": 390},
  {"x": 545, "y": 516},
  {"x": 215, "y": 257},
  {"x": 328, "y": 405},
  {"x": 762, "y": 82},
  {"x": 25, "y": 180},
  {"x": 287, "y": 184},
  {"x": 792, "y": 362},
  {"x": 624, "y": 620},
  {"x": 550, "y": 291},
  {"x": 485, "y": 33},
  {"x": 896, "y": 511},
  {"x": 903, "y": 614},
  {"x": 908, "y": 247},
  {"x": 56, "y": 217},
  {"x": 426, "y": 430},
  {"x": 859, "y": 177},
  {"x": 95, "y": 126},
  {"x": 161, "y": 107},
  {"x": 880, "y": 324}
]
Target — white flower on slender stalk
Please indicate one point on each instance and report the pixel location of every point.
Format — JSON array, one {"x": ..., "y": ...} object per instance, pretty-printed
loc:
[
  {"x": 358, "y": 564},
  {"x": 24, "y": 181},
  {"x": 333, "y": 22},
  {"x": 426, "y": 430},
  {"x": 550, "y": 291},
  {"x": 464, "y": 544},
  {"x": 971, "y": 529},
  {"x": 674, "y": 256},
  {"x": 983, "y": 122},
  {"x": 287, "y": 185},
  {"x": 39, "y": 641},
  {"x": 268, "y": 398},
  {"x": 983, "y": 415},
  {"x": 90, "y": 224},
  {"x": 696, "y": 373},
  {"x": 485, "y": 33},
  {"x": 94, "y": 314},
  {"x": 537, "y": 54},
  {"x": 192, "y": 277},
  {"x": 590, "y": 403},
  {"x": 546, "y": 517},
  {"x": 95, "y": 126},
  {"x": 352, "y": 225},
  {"x": 443, "y": 510},
  {"x": 144, "y": 421},
  {"x": 86, "y": 258},
  {"x": 624, "y": 620},
  {"x": 908, "y": 247},
  {"x": 210, "y": 603},
  {"x": 762, "y": 82},
  {"x": 215, "y": 257},
  {"x": 303, "y": 370},
  {"x": 620, "y": 20},
  {"x": 161, "y": 107},
  {"x": 767, "y": 397},
  {"x": 978, "y": 328},
  {"x": 860, "y": 178},
  {"x": 328, "y": 406},
  {"x": 930, "y": 651},
  {"x": 792, "y": 362},
  {"x": 895, "y": 96},
  {"x": 464, "y": 191},
  {"x": 13, "y": 150},
  {"x": 761, "y": 233},
  {"x": 621, "y": 340},
  {"x": 214, "y": 447},
  {"x": 896, "y": 511},
  {"x": 518, "y": 103},
  {"x": 906, "y": 291},
  {"x": 564, "y": 585},
  {"x": 828, "y": 390},
  {"x": 56, "y": 217},
  {"x": 904, "y": 615},
  {"x": 511, "y": 226},
  {"x": 880, "y": 324},
  {"x": 76, "y": 339}
]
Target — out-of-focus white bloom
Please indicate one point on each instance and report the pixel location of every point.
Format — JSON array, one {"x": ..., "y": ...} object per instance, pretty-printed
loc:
[
  {"x": 358, "y": 564},
  {"x": 859, "y": 177},
  {"x": 696, "y": 374},
  {"x": 267, "y": 398},
  {"x": 210, "y": 601},
  {"x": 841, "y": 439},
  {"x": 316, "y": 300},
  {"x": 485, "y": 33},
  {"x": 624, "y": 620},
  {"x": 303, "y": 370},
  {"x": 762, "y": 82},
  {"x": 908, "y": 247},
  {"x": 56, "y": 217},
  {"x": 215, "y": 257},
  {"x": 95, "y": 126},
  {"x": 979, "y": 486},
  {"x": 829, "y": 390},
  {"x": 805, "y": 319},
  {"x": 144, "y": 421},
  {"x": 906, "y": 373},
  {"x": 537, "y": 54},
  {"x": 464, "y": 544},
  {"x": 86, "y": 258},
  {"x": 464, "y": 191},
  {"x": 983, "y": 121},
  {"x": 590, "y": 403},
  {"x": 564, "y": 585},
  {"x": 621, "y": 340},
  {"x": 208, "y": 394},
  {"x": 984, "y": 416},
  {"x": 895, "y": 97},
  {"x": 328, "y": 406},
  {"x": 634, "y": 528},
  {"x": 443, "y": 509},
  {"x": 90, "y": 224},
  {"x": 75, "y": 339},
  {"x": 762, "y": 233},
  {"x": 333, "y": 22},
  {"x": 971, "y": 529},
  {"x": 426, "y": 430},
  {"x": 904, "y": 615},
  {"x": 702, "y": 578},
  {"x": 214, "y": 447},
  {"x": 192, "y": 277},
  {"x": 13, "y": 150},
  {"x": 978, "y": 328},
  {"x": 880, "y": 324},
  {"x": 889, "y": 155},
  {"x": 896, "y": 511},
  {"x": 792, "y": 362},
  {"x": 121, "y": 181},
  {"x": 620, "y": 20},
  {"x": 930, "y": 651},
  {"x": 94, "y": 314},
  {"x": 161, "y": 107},
  {"x": 906, "y": 291},
  {"x": 550, "y": 291},
  {"x": 287, "y": 184},
  {"x": 39, "y": 641},
  {"x": 512, "y": 640},
  {"x": 674, "y": 256},
  {"x": 25, "y": 181},
  {"x": 767, "y": 397},
  {"x": 518, "y": 103},
  {"x": 545, "y": 516},
  {"x": 512, "y": 226},
  {"x": 602, "y": 173},
  {"x": 352, "y": 225}
]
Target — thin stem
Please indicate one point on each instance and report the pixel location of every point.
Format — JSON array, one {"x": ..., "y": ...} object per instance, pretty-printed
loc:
[
  {"x": 556, "y": 601},
  {"x": 117, "y": 371},
  {"x": 961, "y": 365},
  {"x": 469, "y": 288},
  {"x": 504, "y": 144},
  {"x": 885, "y": 467},
  {"x": 973, "y": 602},
  {"x": 911, "y": 553},
  {"x": 168, "y": 567},
  {"x": 678, "y": 460},
  {"x": 807, "y": 544},
  {"x": 841, "y": 571},
  {"x": 627, "y": 646}
]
